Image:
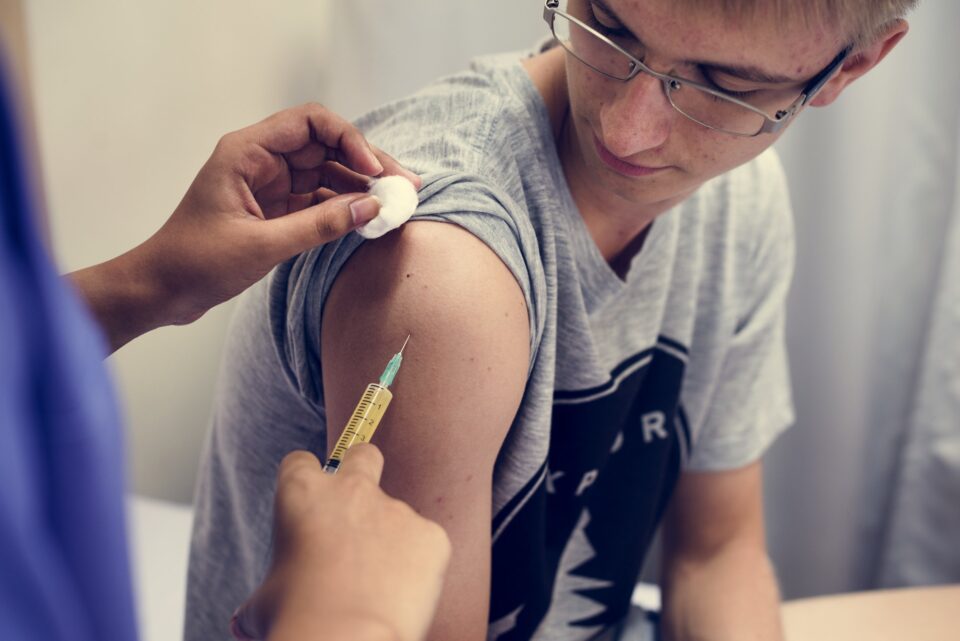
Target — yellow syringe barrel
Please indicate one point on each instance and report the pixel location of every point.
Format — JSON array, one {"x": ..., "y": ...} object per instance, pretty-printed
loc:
[{"x": 362, "y": 424}]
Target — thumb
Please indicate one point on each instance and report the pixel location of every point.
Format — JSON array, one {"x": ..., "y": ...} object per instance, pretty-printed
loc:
[{"x": 305, "y": 229}]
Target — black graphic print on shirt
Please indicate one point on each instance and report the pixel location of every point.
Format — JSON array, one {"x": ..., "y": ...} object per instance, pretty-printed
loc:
[{"x": 567, "y": 549}]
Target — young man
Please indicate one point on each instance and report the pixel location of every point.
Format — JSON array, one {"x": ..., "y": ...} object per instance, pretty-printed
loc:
[{"x": 596, "y": 340}]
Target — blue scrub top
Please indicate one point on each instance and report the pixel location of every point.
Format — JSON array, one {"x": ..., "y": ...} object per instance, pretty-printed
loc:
[{"x": 64, "y": 567}]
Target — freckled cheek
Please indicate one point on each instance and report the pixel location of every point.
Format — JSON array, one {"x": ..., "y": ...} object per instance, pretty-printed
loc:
[
  {"x": 588, "y": 91},
  {"x": 708, "y": 154}
]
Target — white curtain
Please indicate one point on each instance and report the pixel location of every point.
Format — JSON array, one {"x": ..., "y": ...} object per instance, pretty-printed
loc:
[
  {"x": 923, "y": 528},
  {"x": 869, "y": 478}
]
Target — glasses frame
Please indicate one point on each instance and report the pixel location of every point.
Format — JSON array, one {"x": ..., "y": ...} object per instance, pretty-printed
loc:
[{"x": 771, "y": 123}]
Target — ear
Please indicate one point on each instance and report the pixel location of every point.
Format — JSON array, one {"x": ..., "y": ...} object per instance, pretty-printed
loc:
[{"x": 860, "y": 62}]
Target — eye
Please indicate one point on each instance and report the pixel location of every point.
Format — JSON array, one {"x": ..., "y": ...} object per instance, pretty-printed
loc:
[
  {"x": 710, "y": 82},
  {"x": 605, "y": 23},
  {"x": 746, "y": 96},
  {"x": 739, "y": 94}
]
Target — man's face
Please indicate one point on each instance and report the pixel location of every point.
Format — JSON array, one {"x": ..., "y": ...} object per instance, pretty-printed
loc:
[{"x": 631, "y": 140}]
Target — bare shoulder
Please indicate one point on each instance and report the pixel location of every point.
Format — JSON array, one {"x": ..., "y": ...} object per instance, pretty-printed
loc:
[
  {"x": 463, "y": 310},
  {"x": 431, "y": 262},
  {"x": 439, "y": 284}
]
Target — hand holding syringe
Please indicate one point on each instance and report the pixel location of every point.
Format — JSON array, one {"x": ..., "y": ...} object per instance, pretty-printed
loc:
[
  {"x": 387, "y": 591},
  {"x": 368, "y": 413}
]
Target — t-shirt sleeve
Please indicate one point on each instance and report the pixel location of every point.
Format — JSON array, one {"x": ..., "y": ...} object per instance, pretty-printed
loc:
[
  {"x": 451, "y": 135},
  {"x": 752, "y": 402},
  {"x": 470, "y": 202}
]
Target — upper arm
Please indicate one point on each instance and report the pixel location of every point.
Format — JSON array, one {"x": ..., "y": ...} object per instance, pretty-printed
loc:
[
  {"x": 455, "y": 397},
  {"x": 712, "y": 510}
]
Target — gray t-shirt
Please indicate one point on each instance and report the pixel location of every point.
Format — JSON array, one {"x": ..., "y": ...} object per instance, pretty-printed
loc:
[{"x": 681, "y": 365}]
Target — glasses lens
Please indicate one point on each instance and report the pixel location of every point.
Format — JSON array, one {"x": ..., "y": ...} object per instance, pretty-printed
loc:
[
  {"x": 714, "y": 111},
  {"x": 591, "y": 49},
  {"x": 579, "y": 34}
]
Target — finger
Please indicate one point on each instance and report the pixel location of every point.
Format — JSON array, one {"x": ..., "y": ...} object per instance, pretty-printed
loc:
[
  {"x": 304, "y": 181},
  {"x": 304, "y": 137},
  {"x": 298, "y": 460},
  {"x": 297, "y": 232},
  {"x": 297, "y": 128},
  {"x": 323, "y": 194},
  {"x": 342, "y": 180},
  {"x": 270, "y": 184},
  {"x": 353, "y": 150},
  {"x": 313, "y": 127},
  {"x": 328, "y": 174},
  {"x": 296, "y": 202},
  {"x": 311, "y": 155},
  {"x": 363, "y": 459},
  {"x": 393, "y": 168}
]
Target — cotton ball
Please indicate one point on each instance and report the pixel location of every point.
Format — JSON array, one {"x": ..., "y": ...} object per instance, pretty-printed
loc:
[{"x": 398, "y": 200}]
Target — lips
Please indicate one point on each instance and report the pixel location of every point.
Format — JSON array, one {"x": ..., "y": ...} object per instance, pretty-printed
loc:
[{"x": 622, "y": 166}]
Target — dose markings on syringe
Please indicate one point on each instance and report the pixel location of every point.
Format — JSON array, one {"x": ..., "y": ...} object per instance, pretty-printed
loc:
[{"x": 353, "y": 426}]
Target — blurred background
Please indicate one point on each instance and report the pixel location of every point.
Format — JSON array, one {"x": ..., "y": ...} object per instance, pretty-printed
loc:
[{"x": 131, "y": 97}]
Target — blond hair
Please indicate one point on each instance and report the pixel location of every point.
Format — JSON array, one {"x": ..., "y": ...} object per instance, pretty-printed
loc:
[{"x": 861, "y": 20}]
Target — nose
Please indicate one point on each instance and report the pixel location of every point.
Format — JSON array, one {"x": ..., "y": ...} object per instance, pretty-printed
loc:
[{"x": 638, "y": 118}]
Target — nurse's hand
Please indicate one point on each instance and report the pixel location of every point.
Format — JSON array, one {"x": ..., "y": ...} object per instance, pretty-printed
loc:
[
  {"x": 349, "y": 562},
  {"x": 268, "y": 192}
]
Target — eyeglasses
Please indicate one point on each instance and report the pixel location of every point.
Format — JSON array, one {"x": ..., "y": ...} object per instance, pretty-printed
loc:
[{"x": 747, "y": 115}]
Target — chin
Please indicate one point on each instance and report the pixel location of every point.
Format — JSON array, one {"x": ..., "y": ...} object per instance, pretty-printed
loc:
[{"x": 645, "y": 190}]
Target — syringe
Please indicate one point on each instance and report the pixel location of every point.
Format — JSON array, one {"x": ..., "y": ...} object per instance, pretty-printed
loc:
[{"x": 366, "y": 417}]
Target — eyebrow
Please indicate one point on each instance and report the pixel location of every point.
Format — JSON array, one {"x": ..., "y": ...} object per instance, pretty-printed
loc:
[{"x": 743, "y": 72}]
